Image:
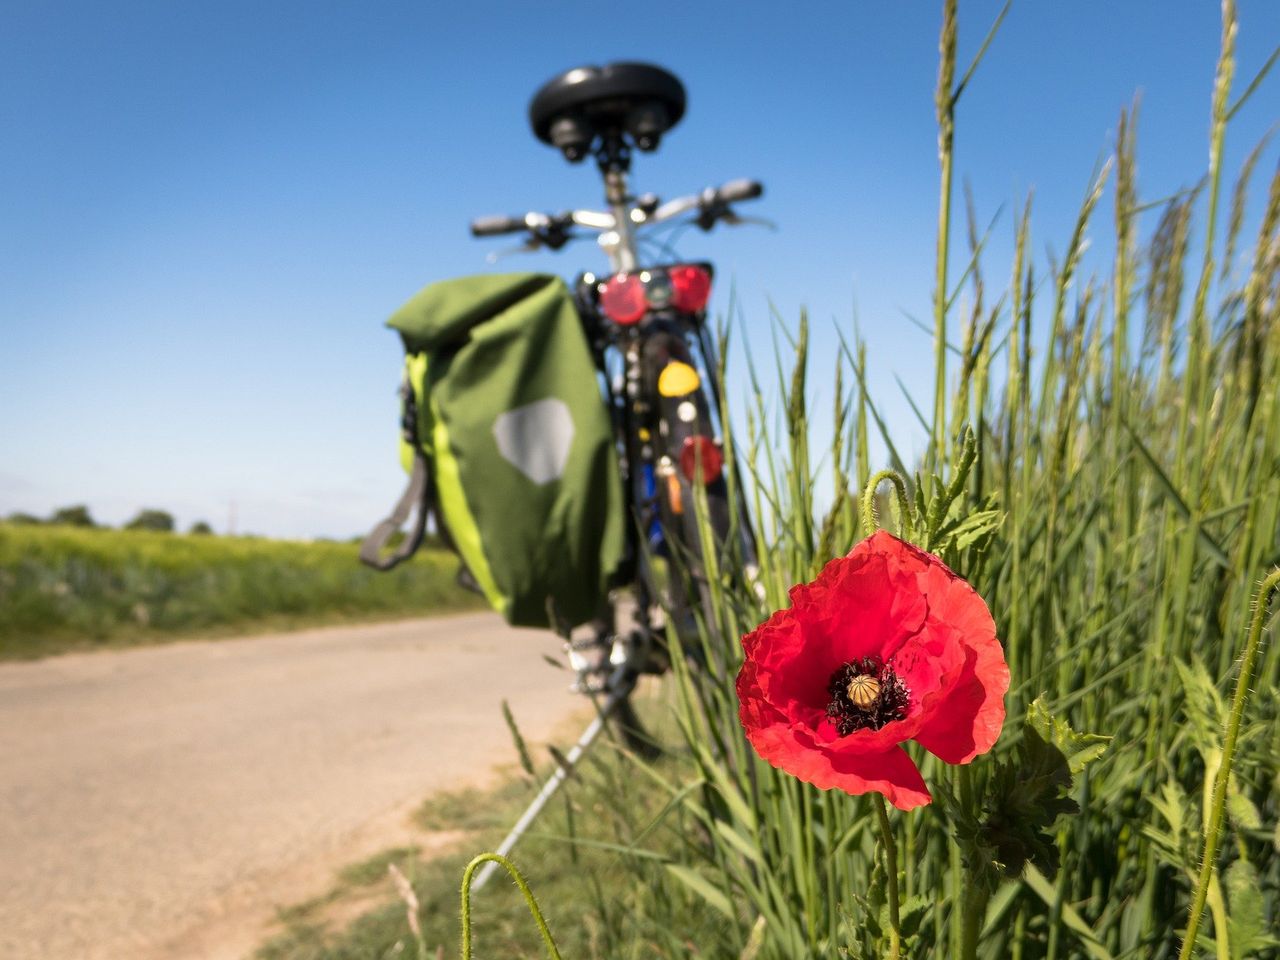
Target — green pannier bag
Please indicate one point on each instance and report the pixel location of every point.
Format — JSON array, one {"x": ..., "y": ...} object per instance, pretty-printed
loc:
[{"x": 509, "y": 445}]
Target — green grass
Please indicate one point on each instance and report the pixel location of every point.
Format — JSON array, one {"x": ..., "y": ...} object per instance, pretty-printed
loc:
[
  {"x": 1129, "y": 441},
  {"x": 69, "y": 588},
  {"x": 374, "y": 869}
]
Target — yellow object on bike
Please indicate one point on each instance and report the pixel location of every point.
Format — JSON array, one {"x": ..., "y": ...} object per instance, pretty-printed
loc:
[{"x": 678, "y": 379}]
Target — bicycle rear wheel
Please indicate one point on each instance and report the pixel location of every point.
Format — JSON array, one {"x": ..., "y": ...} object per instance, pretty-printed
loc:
[{"x": 702, "y": 533}]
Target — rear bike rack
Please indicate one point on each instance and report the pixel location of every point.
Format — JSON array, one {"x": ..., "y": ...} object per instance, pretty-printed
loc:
[{"x": 620, "y": 685}]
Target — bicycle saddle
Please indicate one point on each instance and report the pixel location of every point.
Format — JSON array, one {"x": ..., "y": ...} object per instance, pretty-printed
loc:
[{"x": 639, "y": 99}]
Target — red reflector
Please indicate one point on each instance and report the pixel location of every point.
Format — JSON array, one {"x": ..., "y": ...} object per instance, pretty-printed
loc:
[
  {"x": 691, "y": 288},
  {"x": 623, "y": 300},
  {"x": 701, "y": 459}
]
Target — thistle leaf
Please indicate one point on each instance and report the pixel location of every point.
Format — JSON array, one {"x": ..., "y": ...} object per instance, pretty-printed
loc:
[
  {"x": 1202, "y": 705},
  {"x": 1247, "y": 914},
  {"x": 914, "y": 910},
  {"x": 1244, "y": 814},
  {"x": 1080, "y": 749},
  {"x": 1027, "y": 794}
]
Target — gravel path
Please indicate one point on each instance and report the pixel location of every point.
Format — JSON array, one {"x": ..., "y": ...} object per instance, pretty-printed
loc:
[{"x": 160, "y": 802}]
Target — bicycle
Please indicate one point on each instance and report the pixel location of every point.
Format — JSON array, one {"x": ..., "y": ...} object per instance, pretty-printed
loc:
[
  {"x": 643, "y": 322},
  {"x": 647, "y": 328}
]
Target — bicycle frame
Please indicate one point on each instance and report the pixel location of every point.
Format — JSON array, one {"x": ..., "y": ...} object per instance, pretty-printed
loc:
[{"x": 620, "y": 245}]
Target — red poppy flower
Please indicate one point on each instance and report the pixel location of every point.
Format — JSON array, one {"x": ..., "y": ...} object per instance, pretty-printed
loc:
[{"x": 887, "y": 645}]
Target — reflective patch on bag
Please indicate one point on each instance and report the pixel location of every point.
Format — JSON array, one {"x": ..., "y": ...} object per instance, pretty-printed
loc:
[{"x": 535, "y": 438}]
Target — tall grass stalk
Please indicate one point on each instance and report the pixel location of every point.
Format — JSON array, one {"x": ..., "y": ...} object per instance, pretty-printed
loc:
[{"x": 945, "y": 105}]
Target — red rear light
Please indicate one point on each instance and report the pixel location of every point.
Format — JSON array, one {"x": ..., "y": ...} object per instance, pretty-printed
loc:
[
  {"x": 691, "y": 287},
  {"x": 623, "y": 300},
  {"x": 701, "y": 459}
]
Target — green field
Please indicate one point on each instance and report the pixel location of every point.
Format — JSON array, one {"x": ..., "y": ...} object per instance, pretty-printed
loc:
[{"x": 68, "y": 588}]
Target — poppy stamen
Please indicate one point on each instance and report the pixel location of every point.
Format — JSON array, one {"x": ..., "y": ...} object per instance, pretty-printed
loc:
[{"x": 866, "y": 694}]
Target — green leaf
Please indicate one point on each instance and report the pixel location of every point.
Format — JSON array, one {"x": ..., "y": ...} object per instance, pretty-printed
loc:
[
  {"x": 1080, "y": 749},
  {"x": 703, "y": 888},
  {"x": 740, "y": 843},
  {"x": 1212, "y": 764},
  {"x": 1242, "y": 810},
  {"x": 922, "y": 508},
  {"x": 728, "y": 791},
  {"x": 1202, "y": 704},
  {"x": 1247, "y": 913},
  {"x": 999, "y": 906},
  {"x": 1088, "y": 939},
  {"x": 755, "y": 940},
  {"x": 966, "y": 529},
  {"x": 1206, "y": 720},
  {"x": 912, "y": 913},
  {"x": 526, "y": 762},
  {"x": 1215, "y": 552},
  {"x": 1175, "y": 846},
  {"x": 975, "y": 527},
  {"x": 874, "y": 901},
  {"x": 1025, "y": 797}
]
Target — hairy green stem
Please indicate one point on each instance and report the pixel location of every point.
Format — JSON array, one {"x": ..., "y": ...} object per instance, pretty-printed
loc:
[
  {"x": 1248, "y": 661},
  {"x": 869, "y": 501},
  {"x": 524, "y": 889},
  {"x": 891, "y": 871}
]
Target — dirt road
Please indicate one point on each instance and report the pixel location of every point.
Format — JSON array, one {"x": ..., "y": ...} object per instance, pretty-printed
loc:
[{"x": 160, "y": 802}]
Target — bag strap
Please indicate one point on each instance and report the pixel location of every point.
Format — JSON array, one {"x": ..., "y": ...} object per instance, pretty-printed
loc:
[{"x": 417, "y": 494}]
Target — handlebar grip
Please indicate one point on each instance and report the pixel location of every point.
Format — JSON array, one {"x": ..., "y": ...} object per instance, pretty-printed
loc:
[
  {"x": 492, "y": 226},
  {"x": 736, "y": 190}
]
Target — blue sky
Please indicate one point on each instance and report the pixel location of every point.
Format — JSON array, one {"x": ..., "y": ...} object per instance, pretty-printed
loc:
[{"x": 206, "y": 211}]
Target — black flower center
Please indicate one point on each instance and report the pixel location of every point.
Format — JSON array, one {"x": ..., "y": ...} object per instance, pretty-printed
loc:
[{"x": 866, "y": 694}]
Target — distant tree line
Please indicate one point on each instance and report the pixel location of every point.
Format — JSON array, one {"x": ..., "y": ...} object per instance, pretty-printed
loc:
[{"x": 148, "y": 518}]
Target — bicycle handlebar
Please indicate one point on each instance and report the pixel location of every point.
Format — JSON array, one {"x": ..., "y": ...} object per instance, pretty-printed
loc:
[
  {"x": 709, "y": 206},
  {"x": 493, "y": 226},
  {"x": 736, "y": 190}
]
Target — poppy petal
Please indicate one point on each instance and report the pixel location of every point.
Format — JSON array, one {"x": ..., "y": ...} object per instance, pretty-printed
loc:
[
  {"x": 968, "y": 721},
  {"x": 891, "y": 772}
]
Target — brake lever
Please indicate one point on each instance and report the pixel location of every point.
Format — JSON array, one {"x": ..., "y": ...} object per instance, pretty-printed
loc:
[
  {"x": 708, "y": 217},
  {"x": 554, "y": 236},
  {"x": 733, "y": 220},
  {"x": 532, "y": 245},
  {"x": 549, "y": 238}
]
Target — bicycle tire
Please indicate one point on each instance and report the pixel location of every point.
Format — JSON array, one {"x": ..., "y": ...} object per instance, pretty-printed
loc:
[
  {"x": 658, "y": 440},
  {"x": 680, "y": 418}
]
